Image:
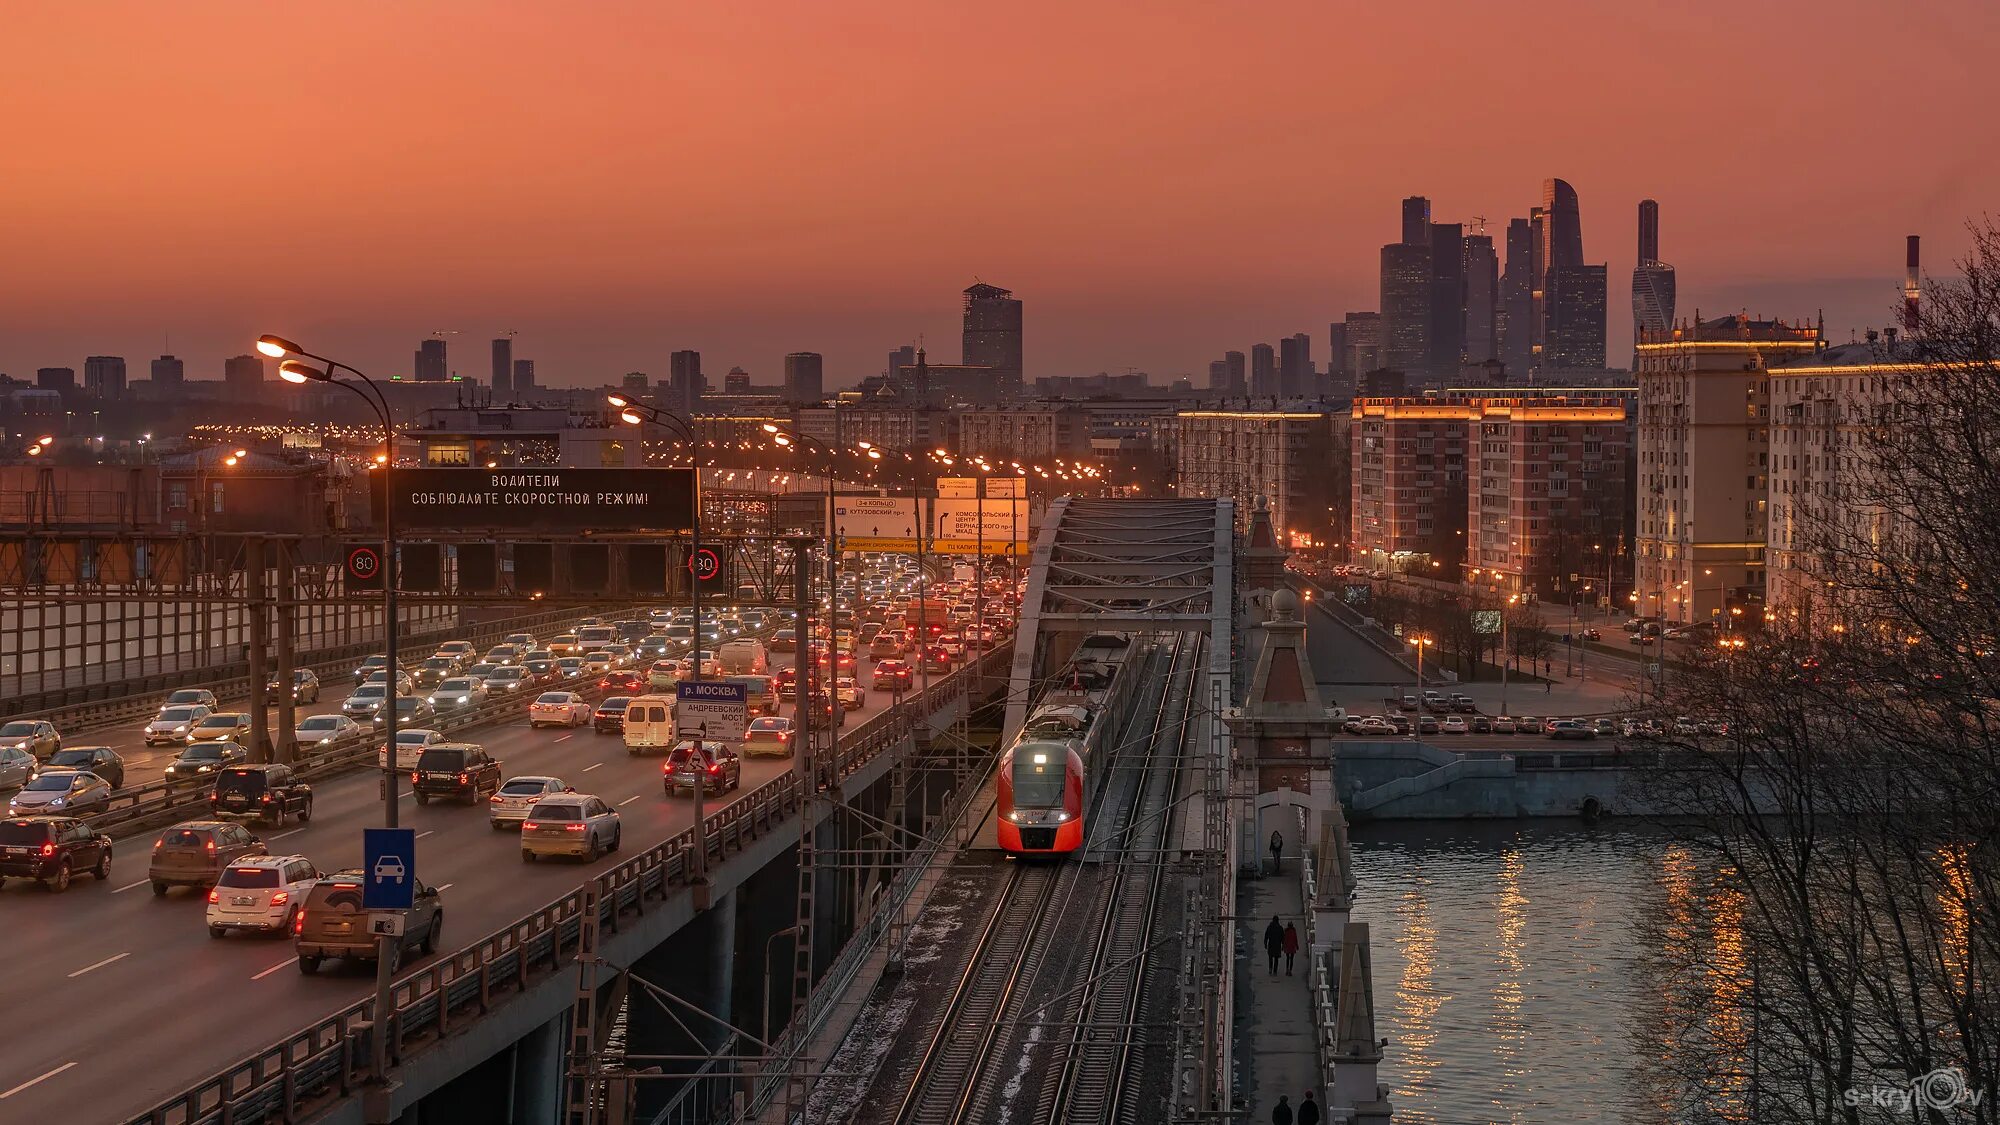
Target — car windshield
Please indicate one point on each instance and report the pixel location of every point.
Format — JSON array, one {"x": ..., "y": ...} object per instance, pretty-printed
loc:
[
  {"x": 170, "y": 715},
  {"x": 557, "y": 812},
  {"x": 510, "y": 674},
  {"x": 218, "y": 722},
  {"x": 519, "y": 788},
  {"x": 207, "y": 751},
  {"x": 17, "y": 730},
  {"x": 369, "y": 691},
  {"x": 320, "y": 722},
  {"x": 438, "y": 662},
  {"x": 249, "y": 877},
  {"x": 408, "y": 703},
  {"x": 77, "y": 758},
  {"x": 455, "y": 685},
  {"x": 438, "y": 759},
  {"x": 52, "y": 783},
  {"x": 553, "y": 697}
]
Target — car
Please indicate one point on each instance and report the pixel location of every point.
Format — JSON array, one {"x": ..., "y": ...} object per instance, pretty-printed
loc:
[
  {"x": 609, "y": 717},
  {"x": 199, "y": 761},
  {"x": 714, "y": 763},
  {"x": 1590, "y": 634},
  {"x": 770, "y": 735},
  {"x": 852, "y": 696},
  {"x": 460, "y": 770},
  {"x": 52, "y": 849},
  {"x": 1427, "y": 725},
  {"x": 481, "y": 671},
  {"x": 364, "y": 701},
  {"x": 599, "y": 662},
  {"x": 891, "y": 675},
  {"x": 1407, "y": 703},
  {"x": 191, "y": 697},
  {"x": 569, "y": 667},
  {"x": 369, "y": 666},
  {"x": 625, "y": 683},
  {"x": 64, "y": 792},
  {"x": 1570, "y": 729},
  {"x": 1527, "y": 724},
  {"x": 886, "y": 644},
  {"x": 195, "y": 852},
  {"x": 785, "y": 640},
  {"x": 506, "y": 656},
  {"x": 435, "y": 671},
  {"x": 1504, "y": 724},
  {"x": 457, "y": 693},
  {"x": 541, "y": 670},
  {"x": 525, "y": 642},
  {"x": 508, "y": 679},
  {"x": 937, "y": 658},
  {"x": 411, "y": 710},
  {"x": 1377, "y": 725},
  {"x": 16, "y": 767},
  {"x": 100, "y": 760},
  {"x": 1604, "y": 728},
  {"x": 463, "y": 650},
  {"x": 411, "y": 742},
  {"x": 1642, "y": 639},
  {"x": 334, "y": 924},
  {"x": 223, "y": 726},
  {"x": 1463, "y": 704},
  {"x": 262, "y": 894},
  {"x": 558, "y": 709},
  {"x": 305, "y": 685},
  {"x": 1454, "y": 724},
  {"x": 572, "y": 824},
  {"x": 260, "y": 792},
  {"x": 315, "y": 729},
  {"x": 36, "y": 736},
  {"x": 172, "y": 725},
  {"x": 1482, "y": 725},
  {"x": 565, "y": 644},
  {"x": 509, "y": 806}
]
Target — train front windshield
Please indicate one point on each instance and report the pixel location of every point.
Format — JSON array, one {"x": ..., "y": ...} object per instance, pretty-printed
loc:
[{"x": 1038, "y": 777}]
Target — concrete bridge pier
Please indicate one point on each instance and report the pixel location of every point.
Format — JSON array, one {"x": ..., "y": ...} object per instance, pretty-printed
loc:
[{"x": 696, "y": 965}]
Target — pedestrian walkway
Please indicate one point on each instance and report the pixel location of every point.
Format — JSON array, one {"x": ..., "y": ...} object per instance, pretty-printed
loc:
[{"x": 1275, "y": 1036}]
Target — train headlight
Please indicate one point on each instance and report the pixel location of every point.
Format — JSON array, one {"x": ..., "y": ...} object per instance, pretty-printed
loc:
[
  {"x": 1015, "y": 817},
  {"x": 1059, "y": 815}
]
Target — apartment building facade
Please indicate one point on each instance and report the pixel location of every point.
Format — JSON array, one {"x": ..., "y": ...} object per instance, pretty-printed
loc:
[{"x": 1283, "y": 457}]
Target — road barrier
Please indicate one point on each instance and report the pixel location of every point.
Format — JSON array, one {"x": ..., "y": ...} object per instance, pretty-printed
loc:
[{"x": 288, "y": 1080}]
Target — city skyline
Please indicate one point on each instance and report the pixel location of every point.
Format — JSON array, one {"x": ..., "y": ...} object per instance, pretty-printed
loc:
[{"x": 1112, "y": 214}]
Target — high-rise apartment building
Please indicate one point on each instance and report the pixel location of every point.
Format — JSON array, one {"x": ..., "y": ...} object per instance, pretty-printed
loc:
[
  {"x": 524, "y": 375},
  {"x": 244, "y": 373},
  {"x": 992, "y": 335},
  {"x": 1239, "y": 374},
  {"x": 1546, "y": 493},
  {"x": 1264, "y": 372},
  {"x": 803, "y": 384},
  {"x": 104, "y": 375},
  {"x": 430, "y": 363},
  {"x": 1283, "y": 457},
  {"x": 1652, "y": 279},
  {"x": 55, "y": 378},
  {"x": 1406, "y": 307},
  {"x": 1407, "y": 479},
  {"x": 1482, "y": 299},
  {"x": 736, "y": 381},
  {"x": 1445, "y": 347},
  {"x": 1575, "y": 303},
  {"x": 636, "y": 383},
  {"x": 503, "y": 364},
  {"x": 684, "y": 382},
  {"x": 1338, "y": 377},
  {"x": 905, "y": 356},
  {"x": 1517, "y": 300},
  {"x": 1295, "y": 367},
  {"x": 168, "y": 371},
  {"x": 1218, "y": 376},
  {"x": 1416, "y": 221},
  {"x": 1364, "y": 347},
  {"x": 1704, "y": 463}
]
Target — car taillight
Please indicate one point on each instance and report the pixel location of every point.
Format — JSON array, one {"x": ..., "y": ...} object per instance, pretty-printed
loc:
[
  {"x": 281, "y": 898},
  {"x": 461, "y": 779},
  {"x": 209, "y": 845},
  {"x": 529, "y": 825},
  {"x": 573, "y": 828},
  {"x": 494, "y": 799},
  {"x": 48, "y": 849},
  {"x": 299, "y": 923},
  {"x": 214, "y": 896}
]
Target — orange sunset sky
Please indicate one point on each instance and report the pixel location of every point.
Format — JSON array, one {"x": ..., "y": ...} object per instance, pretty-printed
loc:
[{"x": 1158, "y": 181}]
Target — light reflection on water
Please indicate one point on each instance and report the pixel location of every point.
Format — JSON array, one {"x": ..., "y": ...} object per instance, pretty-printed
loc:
[{"x": 1513, "y": 948}]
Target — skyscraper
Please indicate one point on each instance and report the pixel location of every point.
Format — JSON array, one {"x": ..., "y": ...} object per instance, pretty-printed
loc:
[
  {"x": 1482, "y": 305},
  {"x": 1445, "y": 346},
  {"x": 1218, "y": 376},
  {"x": 1406, "y": 306},
  {"x": 1416, "y": 221},
  {"x": 430, "y": 364},
  {"x": 1538, "y": 276},
  {"x": 1337, "y": 374},
  {"x": 992, "y": 335},
  {"x": 243, "y": 373},
  {"x": 1295, "y": 371},
  {"x": 1239, "y": 379},
  {"x": 1652, "y": 281},
  {"x": 1264, "y": 372},
  {"x": 684, "y": 382},
  {"x": 1562, "y": 226},
  {"x": 905, "y": 356},
  {"x": 503, "y": 364},
  {"x": 1517, "y": 300},
  {"x": 803, "y": 384},
  {"x": 524, "y": 375},
  {"x": 1576, "y": 309},
  {"x": 168, "y": 371},
  {"x": 104, "y": 375},
  {"x": 1364, "y": 346}
]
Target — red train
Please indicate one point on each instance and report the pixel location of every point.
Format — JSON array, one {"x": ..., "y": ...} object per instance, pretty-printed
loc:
[{"x": 1047, "y": 776}]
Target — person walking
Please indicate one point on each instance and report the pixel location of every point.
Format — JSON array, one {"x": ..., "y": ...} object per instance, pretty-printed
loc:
[
  {"x": 1277, "y": 850},
  {"x": 1291, "y": 946},
  {"x": 1274, "y": 941},
  {"x": 1281, "y": 1114},
  {"x": 1308, "y": 1111}
]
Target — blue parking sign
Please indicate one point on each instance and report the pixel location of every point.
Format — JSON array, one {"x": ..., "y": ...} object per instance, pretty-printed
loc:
[{"x": 389, "y": 860}]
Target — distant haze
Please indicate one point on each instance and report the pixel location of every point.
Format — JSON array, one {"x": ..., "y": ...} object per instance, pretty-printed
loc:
[{"x": 1159, "y": 183}]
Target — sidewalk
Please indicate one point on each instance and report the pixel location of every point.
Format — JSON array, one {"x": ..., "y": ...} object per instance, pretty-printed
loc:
[{"x": 1274, "y": 1017}]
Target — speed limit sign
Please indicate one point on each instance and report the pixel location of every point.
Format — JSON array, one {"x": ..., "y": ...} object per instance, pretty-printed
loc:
[
  {"x": 364, "y": 563},
  {"x": 704, "y": 564}
]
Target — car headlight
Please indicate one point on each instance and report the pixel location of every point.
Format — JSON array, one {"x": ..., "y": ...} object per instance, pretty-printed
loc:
[{"x": 56, "y": 802}]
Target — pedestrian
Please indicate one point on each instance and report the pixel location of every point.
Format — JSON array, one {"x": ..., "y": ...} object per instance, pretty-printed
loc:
[
  {"x": 1274, "y": 941},
  {"x": 1548, "y": 686},
  {"x": 1277, "y": 850},
  {"x": 1308, "y": 1110},
  {"x": 1282, "y": 1115},
  {"x": 1291, "y": 946}
]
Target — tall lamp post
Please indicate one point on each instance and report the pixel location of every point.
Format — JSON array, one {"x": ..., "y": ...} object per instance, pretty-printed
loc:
[
  {"x": 297, "y": 370},
  {"x": 1420, "y": 642}
]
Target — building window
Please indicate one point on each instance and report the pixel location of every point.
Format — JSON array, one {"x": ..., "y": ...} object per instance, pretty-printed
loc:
[
  {"x": 177, "y": 495},
  {"x": 448, "y": 453},
  {"x": 215, "y": 497}
]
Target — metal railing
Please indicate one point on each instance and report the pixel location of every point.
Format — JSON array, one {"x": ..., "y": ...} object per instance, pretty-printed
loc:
[
  {"x": 330, "y": 1057},
  {"x": 1325, "y": 992}
]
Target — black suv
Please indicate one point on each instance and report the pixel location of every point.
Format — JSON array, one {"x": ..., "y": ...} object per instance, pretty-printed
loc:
[
  {"x": 263, "y": 793},
  {"x": 49, "y": 849},
  {"x": 455, "y": 769}
]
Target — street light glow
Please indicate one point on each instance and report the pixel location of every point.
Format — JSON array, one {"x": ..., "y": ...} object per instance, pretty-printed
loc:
[
  {"x": 295, "y": 371},
  {"x": 277, "y": 347},
  {"x": 619, "y": 401}
]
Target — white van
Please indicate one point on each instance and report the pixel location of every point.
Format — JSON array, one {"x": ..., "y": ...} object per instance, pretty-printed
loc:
[
  {"x": 745, "y": 657},
  {"x": 649, "y": 724}
]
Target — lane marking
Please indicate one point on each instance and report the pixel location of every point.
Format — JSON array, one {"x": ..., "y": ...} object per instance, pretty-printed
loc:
[
  {"x": 286, "y": 963},
  {"x": 36, "y": 1081},
  {"x": 425, "y": 833},
  {"x": 446, "y": 886},
  {"x": 566, "y": 737},
  {"x": 587, "y": 769},
  {"x": 99, "y": 965},
  {"x": 293, "y": 832},
  {"x": 129, "y": 886},
  {"x": 630, "y": 799}
]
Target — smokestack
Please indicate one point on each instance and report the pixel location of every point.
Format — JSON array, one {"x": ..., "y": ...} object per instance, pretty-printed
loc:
[{"x": 1910, "y": 289}]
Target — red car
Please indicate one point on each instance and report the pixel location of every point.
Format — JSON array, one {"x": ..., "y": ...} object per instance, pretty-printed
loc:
[{"x": 622, "y": 683}]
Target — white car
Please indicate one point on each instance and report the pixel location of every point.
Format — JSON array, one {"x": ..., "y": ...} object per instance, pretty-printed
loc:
[
  {"x": 558, "y": 709},
  {"x": 174, "y": 724},
  {"x": 410, "y": 745},
  {"x": 572, "y": 824},
  {"x": 1454, "y": 724},
  {"x": 316, "y": 729},
  {"x": 509, "y": 807},
  {"x": 599, "y": 662},
  {"x": 263, "y": 893}
]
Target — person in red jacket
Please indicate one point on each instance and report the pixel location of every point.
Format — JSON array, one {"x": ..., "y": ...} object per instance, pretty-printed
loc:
[{"x": 1291, "y": 946}]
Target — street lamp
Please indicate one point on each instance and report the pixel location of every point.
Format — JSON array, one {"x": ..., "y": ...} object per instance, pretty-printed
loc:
[{"x": 1421, "y": 642}]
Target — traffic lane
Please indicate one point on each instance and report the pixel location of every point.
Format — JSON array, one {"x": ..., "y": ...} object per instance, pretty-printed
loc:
[
  {"x": 145, "y": 763},
  {"x": 248, "y": 990}
]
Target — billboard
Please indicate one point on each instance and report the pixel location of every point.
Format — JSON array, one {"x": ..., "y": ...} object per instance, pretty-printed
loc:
[
  {"x": 553, "y": 498},
  {"x": 1486, "y": 622},
  {"x": 876, "y": 523},
  {"x": 970, "y": 526}
]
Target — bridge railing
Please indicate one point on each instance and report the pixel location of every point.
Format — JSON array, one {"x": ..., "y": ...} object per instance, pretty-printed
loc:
[
  {"x": 1318, "y": 972},
  {"x": 331, "y": 1056}
]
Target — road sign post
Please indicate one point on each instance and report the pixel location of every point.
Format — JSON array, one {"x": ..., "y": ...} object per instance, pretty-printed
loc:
[
  {"x": 715, "y": 710},
  {"x": 389, "y": 883}
]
